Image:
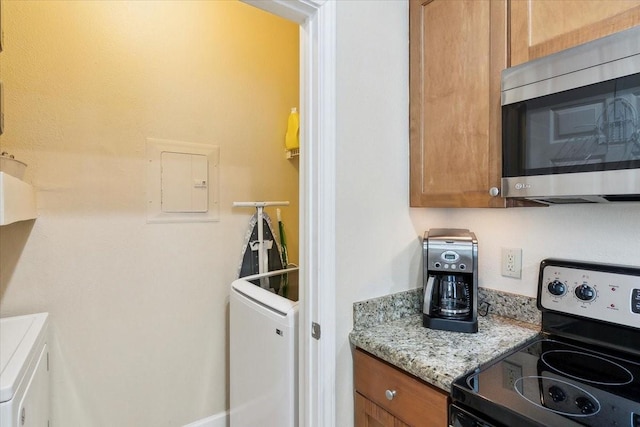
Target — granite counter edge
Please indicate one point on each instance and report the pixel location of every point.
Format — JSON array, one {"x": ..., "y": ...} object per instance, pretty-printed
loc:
[{"x": 404, "y": 357}]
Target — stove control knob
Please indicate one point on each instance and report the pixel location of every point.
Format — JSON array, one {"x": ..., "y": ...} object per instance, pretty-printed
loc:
[
  {"x": 585, "y": 292},
  {"x": 557, "y": 288},
  {"x": 585, "y": 405},
  {"x": 556, "y": 393}
]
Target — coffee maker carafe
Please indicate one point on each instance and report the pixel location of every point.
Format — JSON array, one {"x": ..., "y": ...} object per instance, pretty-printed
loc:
[{"x": 450, "y": 278}]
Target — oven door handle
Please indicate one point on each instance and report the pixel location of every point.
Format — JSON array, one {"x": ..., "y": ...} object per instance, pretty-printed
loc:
[{"x": 459, "y": 417}]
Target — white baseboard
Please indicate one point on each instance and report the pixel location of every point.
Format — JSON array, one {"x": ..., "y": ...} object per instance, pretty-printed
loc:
[{"x": 217, "y": 420}]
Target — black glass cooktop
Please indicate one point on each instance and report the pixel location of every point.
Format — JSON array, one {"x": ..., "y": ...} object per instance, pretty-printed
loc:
[{"x": 556, "y": 383}]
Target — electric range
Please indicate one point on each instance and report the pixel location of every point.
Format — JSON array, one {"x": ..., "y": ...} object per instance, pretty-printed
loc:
[{"x": 583, "y": 369}]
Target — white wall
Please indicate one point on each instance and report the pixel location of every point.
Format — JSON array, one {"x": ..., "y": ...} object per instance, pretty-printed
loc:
[
  {"x": 378, "y": 246},
  {"x": 375, "y": 238},
  {"x": 138, "y": 311}
]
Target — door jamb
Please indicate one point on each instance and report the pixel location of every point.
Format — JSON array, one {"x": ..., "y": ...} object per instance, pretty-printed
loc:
[{"x": 317, "y": 358}]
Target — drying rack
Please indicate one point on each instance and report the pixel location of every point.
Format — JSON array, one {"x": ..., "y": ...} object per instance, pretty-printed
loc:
[{"x": 261, "y": 245}]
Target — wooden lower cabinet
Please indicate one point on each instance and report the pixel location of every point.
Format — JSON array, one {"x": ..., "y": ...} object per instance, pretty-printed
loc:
[
  {"x": 389, "y": 397},
  {"x": 368, "y": 414}
]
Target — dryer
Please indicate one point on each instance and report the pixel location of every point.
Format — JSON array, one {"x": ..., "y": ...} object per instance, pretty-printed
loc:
[{"x": 24, "y": 371}]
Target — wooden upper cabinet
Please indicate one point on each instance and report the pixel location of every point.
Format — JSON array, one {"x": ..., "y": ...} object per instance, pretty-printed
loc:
[
  {"x": 457, "y": 51},
  {"x": 541, "y": 27}
]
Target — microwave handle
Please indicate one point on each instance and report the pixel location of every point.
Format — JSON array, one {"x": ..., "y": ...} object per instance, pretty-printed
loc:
[{"x": 428, "y": 292}]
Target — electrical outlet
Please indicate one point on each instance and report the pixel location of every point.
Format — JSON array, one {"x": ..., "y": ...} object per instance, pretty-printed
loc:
[
  {"x": 512, "y": 262},
  {"x": 510, "y": 373}
]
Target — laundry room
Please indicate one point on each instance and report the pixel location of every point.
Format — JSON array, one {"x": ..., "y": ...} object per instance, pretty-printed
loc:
[{"x": 138, "y": 301}]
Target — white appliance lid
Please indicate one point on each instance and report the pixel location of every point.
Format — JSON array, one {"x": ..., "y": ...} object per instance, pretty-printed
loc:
[
  {"x": 280, "y": 304},
  {"x": 20, "y": 339}
]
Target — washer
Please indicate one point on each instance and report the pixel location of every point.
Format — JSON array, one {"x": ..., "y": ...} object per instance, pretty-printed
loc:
[{"x": 24, "y": 371}]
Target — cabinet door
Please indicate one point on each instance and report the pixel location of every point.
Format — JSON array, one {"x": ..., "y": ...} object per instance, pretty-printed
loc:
[
  {"x": 457, "y": 51},
  {"x": 537, "y": 31},
  {"x": 368, "y": 414}
]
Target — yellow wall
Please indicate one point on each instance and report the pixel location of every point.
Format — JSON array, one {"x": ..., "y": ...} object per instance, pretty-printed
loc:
[{"x": 139, "y": 311}]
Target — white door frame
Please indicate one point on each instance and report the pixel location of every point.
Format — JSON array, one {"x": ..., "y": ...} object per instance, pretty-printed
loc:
[{"x": 317, "y": 358}]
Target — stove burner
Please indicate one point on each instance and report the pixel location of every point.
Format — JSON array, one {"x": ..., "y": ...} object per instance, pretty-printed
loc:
[
  {"x": 587, "y": 367},
  {"x": 557, "y": 396}
]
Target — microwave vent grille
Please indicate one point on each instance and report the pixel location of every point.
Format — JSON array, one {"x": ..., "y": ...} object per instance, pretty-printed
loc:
[
  {"x": 563, "y": 201},
  {"x": 589, "y": 199}
]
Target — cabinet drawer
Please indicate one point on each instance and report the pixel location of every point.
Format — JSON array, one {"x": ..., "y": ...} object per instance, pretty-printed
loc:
[
  {"x": 368, "y": 414},
  {"x": 414, "y": 402}
]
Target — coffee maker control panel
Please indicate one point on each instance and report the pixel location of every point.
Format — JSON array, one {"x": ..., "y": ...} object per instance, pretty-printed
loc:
[
  {"x": 443, "y": 260},
  {"x": 451, "y": 260}
]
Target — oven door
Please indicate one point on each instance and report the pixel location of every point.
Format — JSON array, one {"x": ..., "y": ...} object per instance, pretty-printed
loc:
[{"x": 459, "y": 417}]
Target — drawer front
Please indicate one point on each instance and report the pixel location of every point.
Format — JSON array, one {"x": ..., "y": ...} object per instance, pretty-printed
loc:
[
  {"x": 413, "y": 401},
  {"x": 368, "y": 414}
]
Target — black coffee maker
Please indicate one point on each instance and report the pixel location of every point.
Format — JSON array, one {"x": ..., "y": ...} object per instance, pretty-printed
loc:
[{"x": 450, "y": 280}]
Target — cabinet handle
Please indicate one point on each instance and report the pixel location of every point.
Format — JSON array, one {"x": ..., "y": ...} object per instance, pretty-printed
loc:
[
  {"x": 494, "y": 191},
  {"x": 390, "y": 394}
]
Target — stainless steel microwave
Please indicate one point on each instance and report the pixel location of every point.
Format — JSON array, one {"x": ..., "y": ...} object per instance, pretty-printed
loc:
[{"x": 571, "y": 124}]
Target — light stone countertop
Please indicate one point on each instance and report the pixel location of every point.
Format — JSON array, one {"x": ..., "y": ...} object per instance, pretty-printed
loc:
[{"x": 438, "y": 357}]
